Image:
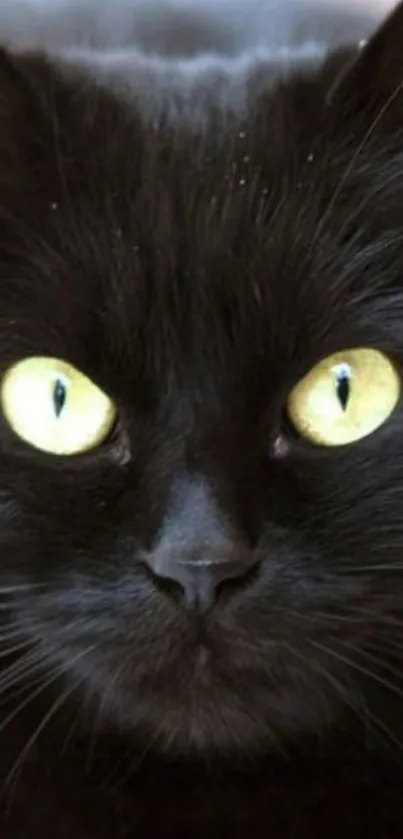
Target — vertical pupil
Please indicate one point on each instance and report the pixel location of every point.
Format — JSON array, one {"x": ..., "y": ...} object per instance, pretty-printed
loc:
[
  {"x": 343, "y": 386},
  {"x": 59, "y": 396}
]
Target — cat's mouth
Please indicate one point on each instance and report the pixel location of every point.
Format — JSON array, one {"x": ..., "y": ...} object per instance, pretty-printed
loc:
[
  {"x": 208, "y": 713},
  {"x": 212, "y": 696},
  {"x": 194, "y": 682}
]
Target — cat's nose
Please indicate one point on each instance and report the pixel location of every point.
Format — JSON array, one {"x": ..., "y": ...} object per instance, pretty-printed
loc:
[
  {"x": 198, "y": 551},
  {"x": 197, "y": 580}
]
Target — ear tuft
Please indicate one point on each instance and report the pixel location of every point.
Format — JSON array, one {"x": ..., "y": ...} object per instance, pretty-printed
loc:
[{"x": 370, "y": 89}]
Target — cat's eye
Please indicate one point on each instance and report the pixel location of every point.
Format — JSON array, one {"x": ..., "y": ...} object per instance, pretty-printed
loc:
[
  {"x": 55, "y": 408},
  {"x": 346, "y": 397}
]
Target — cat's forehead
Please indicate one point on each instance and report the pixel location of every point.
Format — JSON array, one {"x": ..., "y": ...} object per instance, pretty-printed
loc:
[{"x": 233, "y": 238}]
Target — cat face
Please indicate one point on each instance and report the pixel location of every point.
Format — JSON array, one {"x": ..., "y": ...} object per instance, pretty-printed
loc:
[{"x": 200, "y": 567}]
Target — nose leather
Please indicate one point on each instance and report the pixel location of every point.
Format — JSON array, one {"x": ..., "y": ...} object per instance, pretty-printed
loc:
[
  {"x": 197, "y": 549},
  {"x": 198, "y": 580}
]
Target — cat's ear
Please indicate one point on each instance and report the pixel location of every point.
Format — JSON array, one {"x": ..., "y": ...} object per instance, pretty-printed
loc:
[
  {"x": 21, "y": 106},
  {"x": 370, "y": 87},
  {"x": 15, "y": 93}
]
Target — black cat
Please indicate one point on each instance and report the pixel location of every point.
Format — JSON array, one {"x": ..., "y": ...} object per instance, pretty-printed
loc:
[{"x": 201, "y": 485}]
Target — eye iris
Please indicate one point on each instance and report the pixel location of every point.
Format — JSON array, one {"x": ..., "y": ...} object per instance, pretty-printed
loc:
[
  {"x": 343, "y": 385},
  {"x": 59, "y": 396}
]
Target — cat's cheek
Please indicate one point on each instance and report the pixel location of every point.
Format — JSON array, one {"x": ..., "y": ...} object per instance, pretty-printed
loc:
[{"x": 155, "y": 673}]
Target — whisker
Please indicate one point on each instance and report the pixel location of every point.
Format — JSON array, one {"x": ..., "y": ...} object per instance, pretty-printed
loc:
[
  {"x": 350, "y": 167},
  {"x": 335, "y": 683},
  {"x": 384, "y": 566},
  {"x": 43, "y": 686},
  {"x": 16, "y": 589},
  {"x": 386, "y": 730},
  {"x": 58, "y": 703},
  {"x": 70, "y": 733},
  {"x": 102, "y": 705},
  {"x": 364, "y": 652},
  {"x": 11, "y": 633},
  {"x": 370, "y": 196},
  {"x": 14, "y": 674},
  {"x": 15, "y": 649},
  {"x": 317, "y": 616},
  {"x": 353, "y": 664},
  {"x": 113, "y": 781},
  {"x": 388, "y": 644},
  {"x": 19, "y": 689}
]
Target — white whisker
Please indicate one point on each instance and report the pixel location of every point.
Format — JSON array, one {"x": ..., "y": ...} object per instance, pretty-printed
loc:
[
  {"x": 355, "y": 666},
  {"x": 350, "y": 167},
  {"x": 58, "y": 703}
]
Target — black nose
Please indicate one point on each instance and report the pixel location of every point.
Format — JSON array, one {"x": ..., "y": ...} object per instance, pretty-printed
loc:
[
  {"x": 198, "y": 580},
  {"x": 198, "y": 549}
]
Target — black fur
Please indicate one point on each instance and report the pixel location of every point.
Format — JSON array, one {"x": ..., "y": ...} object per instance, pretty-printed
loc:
[{"x": 195, "y": 260}]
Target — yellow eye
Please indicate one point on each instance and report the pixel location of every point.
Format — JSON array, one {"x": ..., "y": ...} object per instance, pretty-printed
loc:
[
  {"x": 345, "y": 397},
  {"x": 54, "y": 407}
]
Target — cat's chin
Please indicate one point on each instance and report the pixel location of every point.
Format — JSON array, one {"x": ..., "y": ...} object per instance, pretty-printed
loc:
[
  {"x": 202, "y": 725},
  {"x": 205, "y": 689},
  {"x": 209, "y": 714}
]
